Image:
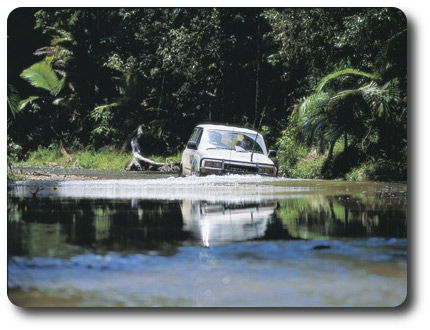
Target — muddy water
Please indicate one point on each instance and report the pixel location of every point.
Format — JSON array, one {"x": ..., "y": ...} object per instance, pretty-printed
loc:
[{"x": 214, "y": 241}]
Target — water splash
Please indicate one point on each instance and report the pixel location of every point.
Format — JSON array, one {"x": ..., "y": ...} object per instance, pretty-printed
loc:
[{"x": 211, "y": 188}]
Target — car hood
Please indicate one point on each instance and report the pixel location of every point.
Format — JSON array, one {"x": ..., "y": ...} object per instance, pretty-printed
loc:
[{"x": 236, "y": 156}]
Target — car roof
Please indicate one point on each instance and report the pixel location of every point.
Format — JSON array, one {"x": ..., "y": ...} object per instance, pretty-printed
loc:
[{"x": 227, "y": 128}]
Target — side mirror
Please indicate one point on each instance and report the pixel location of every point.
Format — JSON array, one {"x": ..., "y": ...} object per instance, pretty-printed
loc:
[
  {"x": 271, "y": 154},
  {"x": 192, "y": 145}
]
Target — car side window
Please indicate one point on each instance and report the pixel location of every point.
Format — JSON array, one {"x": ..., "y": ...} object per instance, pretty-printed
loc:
[
  {"x": 193, "y": 134},
  {"x": 196, "y": 135},
  {"x": 199, "y": 135}
]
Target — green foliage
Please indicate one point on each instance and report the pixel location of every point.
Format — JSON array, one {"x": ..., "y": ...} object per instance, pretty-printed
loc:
[
  {"x": 41, "y": 75},
  {"x": 309, "y": 167},
  {"x": 28, "y": 101},
  {"x": 106, "y": 158},
  {"x": 339, "y": 74},
  {"x": 13, "y": 100},
  {"x": 14, "y": 151},
  {"x": 339, "y": 111},
  {"x": 46, "y": 156},
  {"x": 380, "y": 170},
  {"x": 102, "y": 115},
  {"x": 160, "y": 159},
  {"x": 296, "y": 158},
  {"x": 349, "y": 112},
  {"x": 105, "y": 71}
]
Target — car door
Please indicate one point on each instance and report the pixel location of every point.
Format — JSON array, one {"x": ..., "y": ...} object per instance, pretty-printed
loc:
[{"x": 189, "y": 154}]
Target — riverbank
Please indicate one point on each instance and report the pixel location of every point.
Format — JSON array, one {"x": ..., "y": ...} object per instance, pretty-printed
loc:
[
  {"x": 19, "y": 175},
  {"x": 304, "y": 165},
  {"x": 24, "y": 173},
  {"x": 51, "y": 164}
]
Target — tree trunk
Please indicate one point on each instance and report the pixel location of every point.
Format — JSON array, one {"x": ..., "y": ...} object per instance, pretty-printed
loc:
[
  {"x": 345, "y": 140},
  {"x": 257, "y": 75},
  {"x": 62, "y": 149},
  {"x": 140, "y": 163},
  {"x": 161, "y": 96},
  {"x": 330, "y": 152},
  {"x": 126, "y": 142},
  {"x": 146, "y": 160},
  {"x": 64, "y": 152}
]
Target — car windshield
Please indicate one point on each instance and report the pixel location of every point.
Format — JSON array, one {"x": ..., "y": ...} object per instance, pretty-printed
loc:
[{"x": 233, "y": 140}]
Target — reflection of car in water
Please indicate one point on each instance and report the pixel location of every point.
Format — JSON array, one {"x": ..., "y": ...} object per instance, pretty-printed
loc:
[
  {"x": 224, "y": 222},
  {"x": 217, "y": 149}
]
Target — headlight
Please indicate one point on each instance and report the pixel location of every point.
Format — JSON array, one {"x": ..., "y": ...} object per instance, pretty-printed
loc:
[
  {"x": 209, "y": 163},
  {"x": 267, "y": 170}
]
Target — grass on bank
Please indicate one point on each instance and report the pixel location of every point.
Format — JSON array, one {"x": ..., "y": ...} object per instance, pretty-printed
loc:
[{"x": 106, "y": 158}]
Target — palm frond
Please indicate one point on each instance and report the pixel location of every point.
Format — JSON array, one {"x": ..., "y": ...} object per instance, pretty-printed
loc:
[
  {"x": 311, "y": 103},
  {"x": 346, "y": 72},
  {"x": 381, "y": 100},
  {"x": 332, "y": 113},
  {"x": 41, "y": 75},
  {"x": 13, "y": 99},
  {"x": 23, "y": 103},
  {"x": 342, "y": 95},
  {"x": 317, "y": 126},
  {"x": 333, "y": 133},
  {"x": 393, "y": 88}
]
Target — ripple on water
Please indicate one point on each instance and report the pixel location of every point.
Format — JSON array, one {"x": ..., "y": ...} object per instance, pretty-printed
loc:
[{"x": 288, "y": 273}]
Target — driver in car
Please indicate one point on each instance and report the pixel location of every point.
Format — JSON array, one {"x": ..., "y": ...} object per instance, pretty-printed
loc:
[{"x": 244, "y": 144}]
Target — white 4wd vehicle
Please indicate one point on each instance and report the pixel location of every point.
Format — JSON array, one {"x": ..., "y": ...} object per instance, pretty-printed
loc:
[{"x": 217, "y": 149}]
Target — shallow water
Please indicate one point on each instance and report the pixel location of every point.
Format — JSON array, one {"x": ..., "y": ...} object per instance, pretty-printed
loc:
[{"x": 214, "y": 241}]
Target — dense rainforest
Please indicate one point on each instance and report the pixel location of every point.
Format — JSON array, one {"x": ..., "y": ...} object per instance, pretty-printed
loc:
[{"x": 326, "y": 86}]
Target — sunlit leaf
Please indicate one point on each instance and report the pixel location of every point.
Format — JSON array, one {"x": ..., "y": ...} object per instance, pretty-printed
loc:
[
  {"x": 23, "y": 103},
  {"x": 41, "y": 75}
]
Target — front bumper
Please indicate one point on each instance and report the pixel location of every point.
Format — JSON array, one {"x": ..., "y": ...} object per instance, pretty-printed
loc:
[{"x": 235, "y": 167}]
